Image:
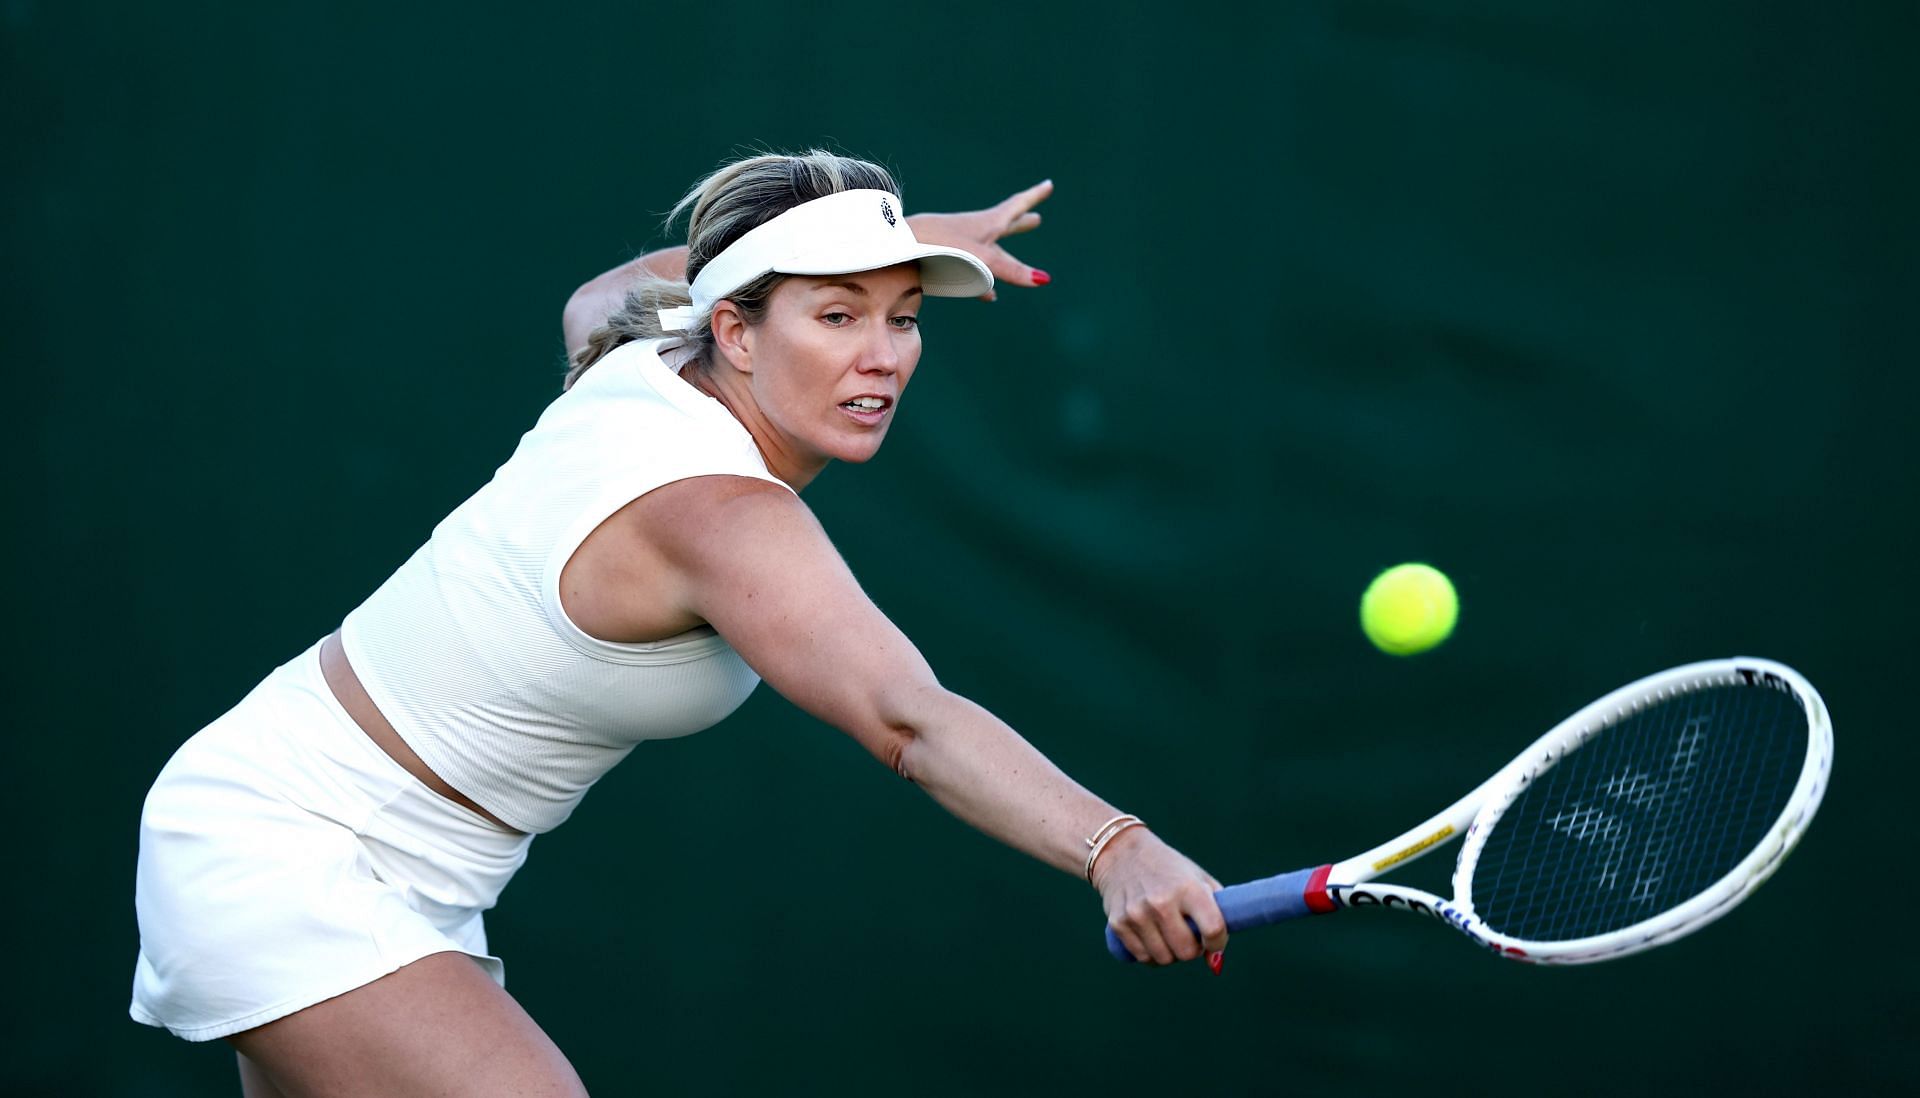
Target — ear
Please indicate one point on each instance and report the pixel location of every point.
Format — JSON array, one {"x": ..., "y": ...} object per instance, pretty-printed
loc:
[{"x": 732, "y": 335}]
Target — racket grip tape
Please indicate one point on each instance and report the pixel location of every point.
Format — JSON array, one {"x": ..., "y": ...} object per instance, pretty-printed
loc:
[{"x": 1259, "y": 903}]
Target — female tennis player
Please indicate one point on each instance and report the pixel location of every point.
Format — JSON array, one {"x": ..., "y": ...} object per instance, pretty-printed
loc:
[{"x": 314, "y": 865}]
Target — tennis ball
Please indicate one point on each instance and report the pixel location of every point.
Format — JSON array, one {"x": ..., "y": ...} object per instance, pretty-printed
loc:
[{"x": 1408, "y": 608}]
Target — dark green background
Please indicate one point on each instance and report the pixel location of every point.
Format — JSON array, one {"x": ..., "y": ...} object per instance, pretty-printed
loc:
[{"x": 1610, "y": 315}]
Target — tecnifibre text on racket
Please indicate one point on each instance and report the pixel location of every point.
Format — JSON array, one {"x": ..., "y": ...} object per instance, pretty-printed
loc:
[{"x": 1636, "y": 821}]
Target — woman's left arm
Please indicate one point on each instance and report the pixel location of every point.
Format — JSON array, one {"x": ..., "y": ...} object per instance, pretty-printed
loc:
[
  {"x": 597, "y": 299},
  {"x": 977, "y": 231}
]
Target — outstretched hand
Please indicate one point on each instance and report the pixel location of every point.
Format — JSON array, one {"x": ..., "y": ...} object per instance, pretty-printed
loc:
[
  {"x": 1156, "y": 899},
  {"x": 980, "y": 232}
]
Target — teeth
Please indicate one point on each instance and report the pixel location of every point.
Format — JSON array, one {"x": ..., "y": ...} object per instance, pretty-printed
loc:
[{"x": 871, "y": 404}]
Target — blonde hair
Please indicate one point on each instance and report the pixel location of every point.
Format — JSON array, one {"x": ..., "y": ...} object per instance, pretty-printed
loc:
[{"x": 721, "y": 209}]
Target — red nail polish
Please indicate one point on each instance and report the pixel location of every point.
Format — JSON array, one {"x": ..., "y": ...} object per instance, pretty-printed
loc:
[
  {"x": 1040, "y": 277},
  {"x": 1216, "y": 961}
]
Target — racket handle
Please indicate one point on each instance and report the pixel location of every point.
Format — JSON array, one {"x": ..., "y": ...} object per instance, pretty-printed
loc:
[{"x": 1259, "y": 903}]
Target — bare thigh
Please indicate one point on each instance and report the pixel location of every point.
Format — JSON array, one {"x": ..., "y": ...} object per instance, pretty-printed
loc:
[
  {"x": 254, "y": 1082},
  {"x": 439, "y": 1026}
]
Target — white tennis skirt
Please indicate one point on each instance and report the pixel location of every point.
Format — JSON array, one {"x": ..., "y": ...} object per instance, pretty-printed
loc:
[{"x": 286, "y": 859}]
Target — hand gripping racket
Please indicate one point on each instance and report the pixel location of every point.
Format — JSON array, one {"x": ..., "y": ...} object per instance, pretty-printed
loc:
[{"x": 1638, "y": 820}]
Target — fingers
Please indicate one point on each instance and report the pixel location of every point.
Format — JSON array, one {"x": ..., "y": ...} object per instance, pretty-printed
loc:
[
  {"x": 1131, "y": 940},
  {"x": 1202, "y": 922},
  {"x": 1178, "y": 934},
  {"x": 1211, "y": 925},
  {"x": 1007, "y": 268},
  {"x": 1016, "y": 205},
  {"x": 1016, "y": 273},
  {"x": 1162, "y": 932},
  {"x": 1144, "y": 941},
  {"x": 1154, "y": 931},
  {"x": 979, "y": 232},
  {"x": 1017, "y": 209},
  {"x": 1025, "y": 223}
]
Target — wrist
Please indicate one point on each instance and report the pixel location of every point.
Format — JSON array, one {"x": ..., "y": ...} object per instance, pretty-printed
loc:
[{"x": 1106, "y": 836}]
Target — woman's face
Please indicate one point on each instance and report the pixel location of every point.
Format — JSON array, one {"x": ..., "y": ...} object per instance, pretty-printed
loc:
[{"x": 832, "y": 356}]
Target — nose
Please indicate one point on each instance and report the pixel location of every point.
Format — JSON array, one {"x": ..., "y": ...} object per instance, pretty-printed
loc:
[{"x": 881, "y": 353}]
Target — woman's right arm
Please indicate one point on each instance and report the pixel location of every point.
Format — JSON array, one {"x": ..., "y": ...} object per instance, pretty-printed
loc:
[{"x": 749, "y": 558}]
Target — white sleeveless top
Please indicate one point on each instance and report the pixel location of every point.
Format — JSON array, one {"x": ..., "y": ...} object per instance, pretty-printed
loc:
[{"x": 466, "y": 649}]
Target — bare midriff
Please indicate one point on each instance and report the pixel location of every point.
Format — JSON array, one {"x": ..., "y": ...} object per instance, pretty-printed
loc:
[{"x": 359, "y": 705}]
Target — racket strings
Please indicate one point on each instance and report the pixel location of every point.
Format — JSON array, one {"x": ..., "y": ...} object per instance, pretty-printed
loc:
[{"x": 1646, "y": 814}]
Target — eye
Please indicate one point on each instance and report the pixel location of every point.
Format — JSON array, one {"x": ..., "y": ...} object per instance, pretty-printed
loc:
[
  {"x": 905, "y": 323},
  {"x": 836, "y": 319}
]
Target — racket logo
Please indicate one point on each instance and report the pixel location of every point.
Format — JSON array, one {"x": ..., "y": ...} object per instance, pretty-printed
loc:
[
  {"x": 1754, "y": 676},
  {"x": 1439, "y": 910},
  {"x": 1603, "y": 820},
  {"x": 1356, "y": 896}
]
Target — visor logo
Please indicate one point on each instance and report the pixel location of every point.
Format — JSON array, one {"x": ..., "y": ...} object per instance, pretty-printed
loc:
[{"x": 886, "y": 211}]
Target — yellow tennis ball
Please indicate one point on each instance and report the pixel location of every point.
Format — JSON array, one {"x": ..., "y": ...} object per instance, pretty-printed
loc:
[{"x": 1409, "y": 608}]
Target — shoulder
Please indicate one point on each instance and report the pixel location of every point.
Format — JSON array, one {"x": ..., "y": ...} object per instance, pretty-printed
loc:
[
  {"x": 704, "y": 514},
  {"x": 639, "y": 574},
  {"x": 721, "y": 525},
  {"x": 688, "y": 537}
]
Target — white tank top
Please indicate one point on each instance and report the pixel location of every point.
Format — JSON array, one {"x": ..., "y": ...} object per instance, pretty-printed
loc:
[{"x": 466, "y": 649}]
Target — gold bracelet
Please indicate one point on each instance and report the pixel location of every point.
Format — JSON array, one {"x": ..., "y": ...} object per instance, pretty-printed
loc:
[
  {"x": 1108, "y": 832},
  {"x": 1101, "y": 831}
]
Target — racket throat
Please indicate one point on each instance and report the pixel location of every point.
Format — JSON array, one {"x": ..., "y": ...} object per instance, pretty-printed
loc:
[{"x": 1388, "y": 897}]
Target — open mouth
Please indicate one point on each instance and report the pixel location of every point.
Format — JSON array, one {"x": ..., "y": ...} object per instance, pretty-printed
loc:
[{"x": 867, "y": 404}]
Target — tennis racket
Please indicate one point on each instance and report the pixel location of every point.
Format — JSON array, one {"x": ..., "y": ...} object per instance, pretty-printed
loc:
[{"x": 1636, "y": 821}]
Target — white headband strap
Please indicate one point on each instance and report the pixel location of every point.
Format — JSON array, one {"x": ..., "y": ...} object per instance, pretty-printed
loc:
[{"x": 680, "y": 318}]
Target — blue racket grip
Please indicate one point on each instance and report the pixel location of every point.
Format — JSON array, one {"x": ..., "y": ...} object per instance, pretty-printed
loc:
[{"x": 1259, "y": 903}]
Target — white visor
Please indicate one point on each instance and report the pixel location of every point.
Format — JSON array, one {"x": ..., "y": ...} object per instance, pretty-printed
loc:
[{"x": 842, "y": 233}]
